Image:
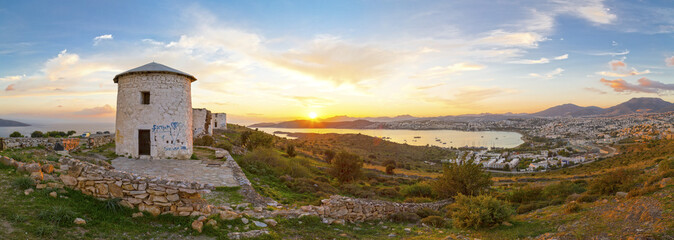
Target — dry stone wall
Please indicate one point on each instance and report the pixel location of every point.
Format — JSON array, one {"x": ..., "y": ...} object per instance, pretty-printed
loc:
[
  {"x": 358, "y": 210},
  {"x": 154, "y": 195},
  {"x": 49, "y": 143}
]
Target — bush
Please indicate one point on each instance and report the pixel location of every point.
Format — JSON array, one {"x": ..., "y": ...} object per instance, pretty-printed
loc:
[
  {"x": 526, "y": 194},
  {"x": 290, "y": 150},
  {"x": 194, "y": 157},
  {"x": 464, "y": 178},
  {"x": 225, "y": 145},
  {"x": 427, "y": 212},
  {"x": 621, "y": 180},
  {"x": 390, "y": 166},
  {"x": 479, "y": 211},
  {"x": 586, "y": 197},
  {"x": 528, "y": 207},
  {"x": 258, "y": 139},
  {"x": 418, "y": 190},
  {"x": 112, "y": 204},
  {"x": 388, "y": 192},
  {"x": 37, "y": 134},
  {"x": 206, "y": 140},
  {"x": 572, "y": 207},
  {"x": 562, "y": 189},
  {"x": 329, "y": 155},
  {"x": 23, "y": 183},
  {"x": 57, "y": 215},
  {"x": 15, "y": 134},
  {"x": 435, "y": 221},
  {"x": 262, "y": 159},
  {"x": 666, "y": 165},
  {"x": 346, "y": 167},
  {"x": 404, "y": 217},
  {"x": 418, "y": 200}
]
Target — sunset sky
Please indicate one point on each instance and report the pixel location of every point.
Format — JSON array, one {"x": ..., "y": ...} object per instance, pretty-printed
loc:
[{"x": 280, "y": 60}]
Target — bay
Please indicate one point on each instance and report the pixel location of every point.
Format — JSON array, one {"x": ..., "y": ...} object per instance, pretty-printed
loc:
[{"x": 441, "y": 138}]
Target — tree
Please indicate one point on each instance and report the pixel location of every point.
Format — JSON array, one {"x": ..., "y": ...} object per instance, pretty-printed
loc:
[
  {"x": 479, "y": 211},
  {"x": 15, "y": 134},
  {"x": 290, "y": 150},
  {"x": 390, "y": 166},
  {"x": 346, "y": 167},
  {"x": 259, "y": 139},
  {"x": 71, "y": 132},
  {"x": 329, "y": 155},
  {"x": 506, "y": 167},
  {"x": 37, "y": 134},
  {"x": 244, "y": 137},
  {"x": 467, "y": 178}
]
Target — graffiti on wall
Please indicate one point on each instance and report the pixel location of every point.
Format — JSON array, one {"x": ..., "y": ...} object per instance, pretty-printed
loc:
[{"x": 171, "y": 135}]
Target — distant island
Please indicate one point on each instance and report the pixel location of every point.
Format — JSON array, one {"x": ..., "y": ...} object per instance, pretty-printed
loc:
[
  {"x": 10, "y": 123},
  {"x": 632, "y": 106}
]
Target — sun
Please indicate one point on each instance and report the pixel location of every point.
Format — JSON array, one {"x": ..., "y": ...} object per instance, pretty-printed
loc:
[{"x": 313, "y": 115}]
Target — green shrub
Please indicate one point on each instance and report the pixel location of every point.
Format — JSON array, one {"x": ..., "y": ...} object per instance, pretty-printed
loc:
[
  {"x": 329, "y": 155},
  {"x": 404, "y": 217},
  {"x": 261, "y": 160},
  {"x": 390, "y": 166},
  {"x": 528, "y": 207},
  {"x": 356, "y": 191},
  {"x": 37, "y": 134},
  {"x": 526, "y": 194},
  {"x": 57, "y": 215},
  {"x": 388, "y": 192},
  {"x": 418, "y": 200},
  {"x": 225, "y": 145},
  {"x": 435, "y": 221},
  {"x": 15, "y": 134},
  {"x": 572, "y": 207},
  {"x": 479, "y": 211},
  {"x": 421, "y": 189},
  {"x": 464, "y": 178},
  {"x": 290, "y": 150},
  {"x": 427, "y": 212},
  {"x": 112, "y": 204},
  {"x": 256, "y": 139},
  {"x": 586, "y": 197},
  {"x": 562, "y": 189},
  {"x": 23, "y": 183},
  {"x": 194, "y": 157},
  {"x": 206, "y": 140},
  {"x": 621, "y": 180},
  {"x": 346, "y": 167}
]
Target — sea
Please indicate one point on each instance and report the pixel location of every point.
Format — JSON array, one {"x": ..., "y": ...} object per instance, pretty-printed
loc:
[{"x": 441, "y": 138}]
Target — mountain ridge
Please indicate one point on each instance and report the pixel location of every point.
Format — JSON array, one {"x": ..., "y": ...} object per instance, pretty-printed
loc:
[{"x": 11, "y": 123}]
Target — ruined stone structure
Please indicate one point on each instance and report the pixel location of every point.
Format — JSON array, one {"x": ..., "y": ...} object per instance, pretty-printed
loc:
[
  {"x": 154, "y": 112},
  {"x": 202, "y": 122},
  {"x": 220, "y": 121}
]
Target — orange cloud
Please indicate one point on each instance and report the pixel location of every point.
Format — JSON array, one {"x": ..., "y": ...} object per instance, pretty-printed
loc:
[
  {"x": 620, "y": 69},
  {"x": 10, "y": 87},
  {"x": 645, "y": 86},
  {"x": 103, "y": 111}
]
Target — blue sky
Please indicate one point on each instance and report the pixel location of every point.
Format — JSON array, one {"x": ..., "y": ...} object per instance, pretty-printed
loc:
[{"x": 273, "y": 60}]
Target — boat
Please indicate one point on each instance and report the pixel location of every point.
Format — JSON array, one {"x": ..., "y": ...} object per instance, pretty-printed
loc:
[{"x": 417, "y": 136}]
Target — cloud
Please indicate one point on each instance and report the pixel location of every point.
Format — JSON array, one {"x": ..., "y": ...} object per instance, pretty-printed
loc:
[
  {"x": 591, "y": 89},
  {"x": 329, "y": 58},
  {"x": 436, "y": 72},
  {"x": 96, "y": 111},
  {"x": 562, "y": 57},
  {"x": 10, "y": 87},
  {"x": 549, "y": 75},
  {"x": 12, "y": 78},
  {"x": 313, "y": 102},
  {"x": 529, "y": 61},
  {"x": 101, "y": 38},
  {"x": 644, "y": 86},
  {"x": 470, "y": 96},
  {"x": 516, "y": 39},
  {"x": 429, "y": 86},
  {"x": 613, "y": 54},
  {"x": 591, "y": 10},
  {"x": 669, "y": 61},
  {"x": 620, "y": 69}
]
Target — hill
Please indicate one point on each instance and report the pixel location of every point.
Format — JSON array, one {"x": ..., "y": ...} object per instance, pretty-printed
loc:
[
  {"x": 634, "y": 105},
  {"x": 10, "y": 123}
]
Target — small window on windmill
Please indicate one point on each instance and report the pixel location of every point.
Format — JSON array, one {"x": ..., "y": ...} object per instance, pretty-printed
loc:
[{"x": 145, "y": 98}]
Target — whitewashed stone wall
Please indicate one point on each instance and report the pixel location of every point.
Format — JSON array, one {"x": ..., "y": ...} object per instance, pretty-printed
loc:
[
  {"x": 220, "y": 121},
  {"x": 168, "y": 116},
  {"x": 203, "y": 122}
]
